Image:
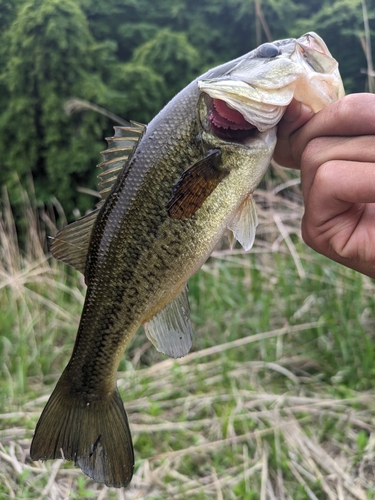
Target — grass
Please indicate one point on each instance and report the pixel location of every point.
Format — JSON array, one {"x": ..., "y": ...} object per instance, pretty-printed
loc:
[{"x": 276, "y": 400}]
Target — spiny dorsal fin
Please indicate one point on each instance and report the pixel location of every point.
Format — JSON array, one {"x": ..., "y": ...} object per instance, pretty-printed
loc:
[
  {"x": 170, "y": 329},
  {"x": 71, "y": 244},
  {"x": 120, "y": 149}
]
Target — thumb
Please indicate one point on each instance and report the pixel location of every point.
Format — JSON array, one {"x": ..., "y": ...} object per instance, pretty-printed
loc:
[{"x": 295, "y": 116}]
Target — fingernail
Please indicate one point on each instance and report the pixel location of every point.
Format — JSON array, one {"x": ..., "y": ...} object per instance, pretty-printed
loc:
[{"x": 306, "y": 110}]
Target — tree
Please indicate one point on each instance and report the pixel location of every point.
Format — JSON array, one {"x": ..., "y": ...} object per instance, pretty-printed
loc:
[
  {"x": 137, "y": 92},
  {"x": 131, "y": 57},
  {"x": 50, "y": 58},
  {"x": 171, "y": 56},
  {"x": 340, "y": 23}
]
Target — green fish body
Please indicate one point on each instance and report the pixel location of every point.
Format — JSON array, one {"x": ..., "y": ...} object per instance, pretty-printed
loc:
[{"x": 170, "y": 191}]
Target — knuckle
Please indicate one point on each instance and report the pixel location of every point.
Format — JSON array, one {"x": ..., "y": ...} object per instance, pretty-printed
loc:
[
  {"x": 327, "y": 175},
  {"x": 311, "y": 151},
  {"x": 354, "y": 105},
  {"x": 307, "y": 233},
  {"x": 313, "y": 237}
]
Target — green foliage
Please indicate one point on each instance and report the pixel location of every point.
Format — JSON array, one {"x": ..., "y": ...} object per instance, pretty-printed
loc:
[
  {"x": 341, "y": 26},
  {"x": 170, "y": 55},
  {"x": 7, "y": 12},
  {"x": 49, "y": 60},
  {"x": 130, "y": 57},
  {"x": 138, "y": 91}
]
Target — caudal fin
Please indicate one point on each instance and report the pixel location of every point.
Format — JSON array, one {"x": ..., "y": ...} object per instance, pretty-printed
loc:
[{"x": 95, "y": 435}]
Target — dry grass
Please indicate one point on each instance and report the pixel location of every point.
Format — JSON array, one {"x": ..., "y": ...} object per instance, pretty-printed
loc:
[
  {"x": 252, "y": 413},
  {"x": 286, "y": 425}
]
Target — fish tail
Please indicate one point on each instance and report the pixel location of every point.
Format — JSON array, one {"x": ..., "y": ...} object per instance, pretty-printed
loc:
[{"x": 95, "y": 435}]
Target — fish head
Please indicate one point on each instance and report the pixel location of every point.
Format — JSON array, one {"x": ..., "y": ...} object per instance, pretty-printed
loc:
[
  {"x": 240, "y": 105},
  {"x": 249, "y": 95}
]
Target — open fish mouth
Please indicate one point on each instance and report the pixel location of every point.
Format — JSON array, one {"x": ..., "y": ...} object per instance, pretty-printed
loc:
[
  {"x": 254, "y": 92},
  {"x": 228, "y": 124}
]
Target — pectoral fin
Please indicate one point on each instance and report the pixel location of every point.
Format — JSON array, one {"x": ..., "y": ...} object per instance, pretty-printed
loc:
[
  {"x": 170, "y": 330},
  {"x": 244, "y": 223},
  {"x": 195, "y": 184}
]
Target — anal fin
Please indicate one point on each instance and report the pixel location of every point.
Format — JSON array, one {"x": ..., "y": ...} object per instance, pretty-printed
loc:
[{"x": 170, "y": 329}]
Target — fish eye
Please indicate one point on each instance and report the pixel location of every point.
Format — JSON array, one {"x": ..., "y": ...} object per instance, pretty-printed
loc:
[{"x": 267, "y": 50}]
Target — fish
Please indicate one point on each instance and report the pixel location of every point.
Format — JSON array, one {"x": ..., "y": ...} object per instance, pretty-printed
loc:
[{"x": 169, "y": 191}]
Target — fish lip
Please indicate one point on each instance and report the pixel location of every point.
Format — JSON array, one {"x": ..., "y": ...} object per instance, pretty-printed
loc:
[
  {"x": 309, "y": 41},
  {"x": 312, "y": 50},
  {"x": 261, "y": 89},
  {"x": 322, "y": 72},
  {"x": 233, "y": 137},
  {"x": 313, "y": 41}
]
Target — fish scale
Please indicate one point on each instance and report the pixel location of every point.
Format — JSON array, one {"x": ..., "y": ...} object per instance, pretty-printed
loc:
[
  {"x": 169, "y": 192},
  {"x": 132, "y": 268}
]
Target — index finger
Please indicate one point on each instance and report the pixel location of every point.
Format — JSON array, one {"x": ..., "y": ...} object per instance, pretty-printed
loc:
[{"x": 353, "y": 115}]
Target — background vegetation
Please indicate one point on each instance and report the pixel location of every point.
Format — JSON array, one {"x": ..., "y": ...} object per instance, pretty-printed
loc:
[
  {"x": 276, "y": 400},
  {"x": 131, "y": 57}
]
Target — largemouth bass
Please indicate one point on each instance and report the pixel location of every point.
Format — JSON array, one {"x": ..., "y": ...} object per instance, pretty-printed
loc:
[{"x": 169, "y": 192}]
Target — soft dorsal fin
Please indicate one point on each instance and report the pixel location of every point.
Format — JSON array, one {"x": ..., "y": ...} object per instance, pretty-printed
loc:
[
  {"x": 195, "y": 184},
  {"x": 244, "y": 223},
  {"x": 170, "y": 329},
  {"x": 71, "y": 244}
]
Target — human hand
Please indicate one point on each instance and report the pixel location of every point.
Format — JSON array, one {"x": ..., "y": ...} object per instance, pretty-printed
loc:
[{"x": 335, "y": 150}]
